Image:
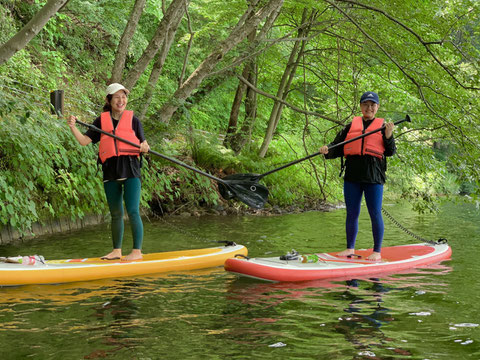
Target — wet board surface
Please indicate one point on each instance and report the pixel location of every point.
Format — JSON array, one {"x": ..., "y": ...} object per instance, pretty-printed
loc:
[{"x": 394, "y": 258}]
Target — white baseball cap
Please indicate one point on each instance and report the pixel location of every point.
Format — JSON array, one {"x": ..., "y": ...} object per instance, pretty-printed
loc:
[{"x": 113, "y": 88}]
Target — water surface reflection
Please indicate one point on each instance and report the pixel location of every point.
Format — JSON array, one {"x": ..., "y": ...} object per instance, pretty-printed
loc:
[{"x": 429, "y": 313}]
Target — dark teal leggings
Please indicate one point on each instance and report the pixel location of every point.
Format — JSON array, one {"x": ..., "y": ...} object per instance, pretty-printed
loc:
[{"x": 129, "y": 191}]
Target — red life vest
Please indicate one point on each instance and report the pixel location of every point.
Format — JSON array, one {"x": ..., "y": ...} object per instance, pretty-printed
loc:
[
  {"x": 369, "y": 145},
  {"x": 109, "y": 146}
]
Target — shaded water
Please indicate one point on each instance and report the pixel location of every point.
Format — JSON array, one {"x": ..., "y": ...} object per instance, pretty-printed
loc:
[{"x": 430, "y": 313}]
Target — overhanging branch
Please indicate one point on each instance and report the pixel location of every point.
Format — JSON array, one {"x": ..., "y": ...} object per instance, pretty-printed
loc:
[{"x": 293, "y": 107}]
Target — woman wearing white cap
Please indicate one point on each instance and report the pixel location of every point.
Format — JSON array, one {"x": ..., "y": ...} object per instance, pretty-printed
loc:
[
  {"x": 365, "y": 167},
  {"x": 121, "y": 165}
]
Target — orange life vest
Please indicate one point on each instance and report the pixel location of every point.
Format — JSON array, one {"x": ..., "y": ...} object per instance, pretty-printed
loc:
[
  {"x": 369, "y": 145},
  {"x": 109, "y": 146}
]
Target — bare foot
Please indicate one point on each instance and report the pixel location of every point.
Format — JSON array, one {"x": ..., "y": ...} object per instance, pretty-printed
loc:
[
  {"x": 136, "y": 254},
  {"x": 375, "y": 256},
  {"x": 346, "y": 252},
  {"x": 116, "y": 254}
]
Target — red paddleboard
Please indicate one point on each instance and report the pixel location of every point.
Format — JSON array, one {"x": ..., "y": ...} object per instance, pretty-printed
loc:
[{"x": 330, "y": 265}]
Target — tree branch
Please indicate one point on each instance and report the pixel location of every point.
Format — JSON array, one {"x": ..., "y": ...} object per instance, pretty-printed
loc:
[
  {"x": 418, "y": 37},
  {"x": 293, "y": 107},
  {"x": 30, "y": 30}
]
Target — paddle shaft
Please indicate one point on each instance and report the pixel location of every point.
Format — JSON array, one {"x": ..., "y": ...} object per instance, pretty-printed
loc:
[
  {"x": 407, "y": 118},
  {"x": 94, "y": 128}
]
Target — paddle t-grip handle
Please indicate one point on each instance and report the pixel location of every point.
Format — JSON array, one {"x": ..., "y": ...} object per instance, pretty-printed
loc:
[{"x": 56, "y": 100}]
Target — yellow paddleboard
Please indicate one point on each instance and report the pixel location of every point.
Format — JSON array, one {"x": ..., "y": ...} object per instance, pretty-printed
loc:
[{"x": 69, "y": 270}]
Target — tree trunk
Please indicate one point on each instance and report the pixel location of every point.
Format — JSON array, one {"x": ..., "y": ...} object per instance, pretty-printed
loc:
[
  {"x": 237, "y": 103},
  {"x": 29, "y": 31},
  {"x": 284, "y": 88},
  {"x": 173, "y": 15},
  {"x": 238, "y": 140},
  {"x": 289, "y": 82},
  {"x": 158, "y": 66},
  {"x": 239, "y": 33},
  {"x": 189, "y": 47},
  {"x": 152, "y": 83},
  {"x": 121, "y": 55},
  {"x": 237, "y": 100},
  {"x": 245, "y": 134}
]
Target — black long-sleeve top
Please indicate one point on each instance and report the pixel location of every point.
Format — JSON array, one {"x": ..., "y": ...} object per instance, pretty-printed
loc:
[{"x": 363, "y": 168}]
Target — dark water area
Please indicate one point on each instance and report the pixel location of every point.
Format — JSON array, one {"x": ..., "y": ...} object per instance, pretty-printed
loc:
[{"x": 429, "y": 313}]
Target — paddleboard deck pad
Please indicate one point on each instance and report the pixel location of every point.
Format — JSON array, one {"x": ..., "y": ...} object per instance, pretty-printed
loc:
[
  {"x": 330, "y": 265},
  {"x": 70, "y": 270}
]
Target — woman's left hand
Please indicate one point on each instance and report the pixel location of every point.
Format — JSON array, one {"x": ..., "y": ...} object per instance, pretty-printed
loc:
[
  {"x": 389, "y": 129},
  {"x": 144, "y": 147}
]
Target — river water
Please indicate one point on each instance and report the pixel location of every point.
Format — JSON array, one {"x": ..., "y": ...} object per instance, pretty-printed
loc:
[{"x": 430, "y": 313}]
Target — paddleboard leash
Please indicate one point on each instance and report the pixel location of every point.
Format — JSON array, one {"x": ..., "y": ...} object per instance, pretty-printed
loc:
[{"x": 412, "y": 234}]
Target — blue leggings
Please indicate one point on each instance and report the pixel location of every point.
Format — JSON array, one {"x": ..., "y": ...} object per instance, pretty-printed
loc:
[
  {"x": 353, "y": 192},
  {"x": 129, "y": 191}
]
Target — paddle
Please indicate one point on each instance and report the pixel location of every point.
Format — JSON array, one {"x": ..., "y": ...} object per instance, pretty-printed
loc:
[
  {"x": 251, "y": 193},
  {"x": 254, "y": 178}
]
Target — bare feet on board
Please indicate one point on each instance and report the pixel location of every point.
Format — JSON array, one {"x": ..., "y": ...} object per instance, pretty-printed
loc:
[
  {"x": 374, "y": 256},
  {"x": 346, "y": 252},
  {"x": 116, "y": 254},
  {"x": 134, "y": 255}
]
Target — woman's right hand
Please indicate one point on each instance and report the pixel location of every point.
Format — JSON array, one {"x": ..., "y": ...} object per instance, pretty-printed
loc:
[
  {"x": 82, "y": 139},
  {"x": 71, "y": 121},
  {"x": 324, "y": 150}
]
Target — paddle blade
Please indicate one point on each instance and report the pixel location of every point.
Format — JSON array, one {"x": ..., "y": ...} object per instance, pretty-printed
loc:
[{"x": 244, "y": 187}]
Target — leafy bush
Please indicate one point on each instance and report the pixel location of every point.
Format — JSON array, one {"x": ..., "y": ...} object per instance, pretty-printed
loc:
[{"x": 44, "y": 173}]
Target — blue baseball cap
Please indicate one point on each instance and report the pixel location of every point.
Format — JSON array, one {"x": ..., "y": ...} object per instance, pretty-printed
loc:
[{"x": 370, "y": 96}]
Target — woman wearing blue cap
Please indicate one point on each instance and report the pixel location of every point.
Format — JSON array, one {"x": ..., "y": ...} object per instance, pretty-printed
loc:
[{"x": 365, "y": 167}]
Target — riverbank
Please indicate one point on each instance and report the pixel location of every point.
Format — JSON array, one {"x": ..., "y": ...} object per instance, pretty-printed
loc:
[
  {"x": 225, "y": 210},
  {"x": 9, "y": 235}
]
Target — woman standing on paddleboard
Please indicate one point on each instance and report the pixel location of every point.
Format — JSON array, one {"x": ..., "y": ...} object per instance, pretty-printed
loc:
[
  {"x": 365, "y": 167},
  {"x": 120, "y": 164}
]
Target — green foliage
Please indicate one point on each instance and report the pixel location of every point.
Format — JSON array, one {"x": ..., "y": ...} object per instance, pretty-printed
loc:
[
  {"x": 209, "y": 153},
  {"x": 420, "y": 175},
  {"x": 43, "y": 174},
  {"x": 167, "y": 188},
  {"x": 304, "y": 183}
]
